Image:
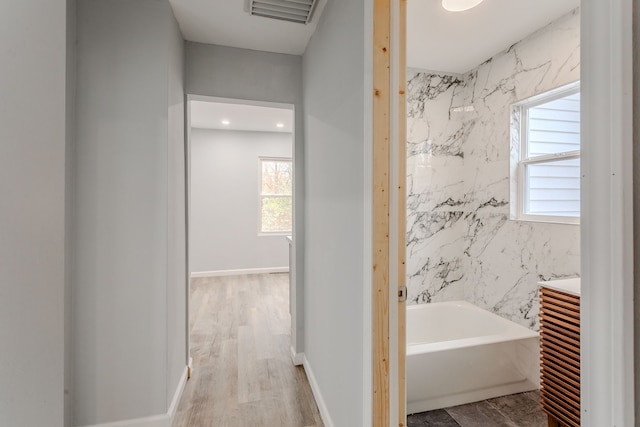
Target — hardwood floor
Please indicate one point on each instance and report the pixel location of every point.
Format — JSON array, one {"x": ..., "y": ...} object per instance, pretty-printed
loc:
[{"x": 242, "y": 370}]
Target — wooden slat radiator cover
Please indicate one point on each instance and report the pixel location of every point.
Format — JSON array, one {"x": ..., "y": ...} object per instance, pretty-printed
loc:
[{"x": 560, "y": 356}]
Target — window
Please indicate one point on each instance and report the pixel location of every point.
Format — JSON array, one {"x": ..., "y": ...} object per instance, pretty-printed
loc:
[
  {"x": 545, "y": 167},
  {"x": 276, "y": 177}
]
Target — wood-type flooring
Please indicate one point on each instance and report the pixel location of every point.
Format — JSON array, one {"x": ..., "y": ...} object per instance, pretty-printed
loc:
[{"x": 242, "y": 370}]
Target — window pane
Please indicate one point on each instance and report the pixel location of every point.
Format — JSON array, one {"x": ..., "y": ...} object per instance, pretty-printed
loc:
[
  {"x": 276, "y": 177},
  {"x": 554, "y": 127},
  {"x": 276, "y": 214},
  {"x": 553, "y": 188}
]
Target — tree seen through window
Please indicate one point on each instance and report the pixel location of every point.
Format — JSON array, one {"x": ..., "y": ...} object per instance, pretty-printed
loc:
[{"x": 276, "y": 196}]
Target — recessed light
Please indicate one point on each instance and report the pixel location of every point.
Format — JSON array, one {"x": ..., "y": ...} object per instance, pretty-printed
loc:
[
  {"x": 280, "y": 125},
  {"x": 225, "y": 122},
  {"x": 459, "y": 5}
]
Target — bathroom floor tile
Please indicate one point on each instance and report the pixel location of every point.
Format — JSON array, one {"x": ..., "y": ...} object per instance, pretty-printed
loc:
[
  {"x": 437, "y": 418},
  {"x": 521, "y": 409},
  {"x": 535, "y": 395},
  {"x": 516, "y": 410},
  {"x": 479, "y": 414}
]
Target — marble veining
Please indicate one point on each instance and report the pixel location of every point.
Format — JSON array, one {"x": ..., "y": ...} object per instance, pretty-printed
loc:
[{"x": 461, "y": 243}]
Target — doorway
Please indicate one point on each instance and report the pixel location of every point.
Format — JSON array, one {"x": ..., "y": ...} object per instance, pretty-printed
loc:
[
  {"x": 274, "y": 123},
  {"x": 607, "y": 217},
  {"x": 240, "y": 188},
  {"x": 241, "y": 203}
]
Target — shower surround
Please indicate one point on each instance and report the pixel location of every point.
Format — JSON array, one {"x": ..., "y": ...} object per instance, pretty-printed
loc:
[{"x": 461, "y": 243}]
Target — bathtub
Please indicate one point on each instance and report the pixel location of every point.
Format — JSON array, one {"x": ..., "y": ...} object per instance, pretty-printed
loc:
[{"x": 458, "y": 353}]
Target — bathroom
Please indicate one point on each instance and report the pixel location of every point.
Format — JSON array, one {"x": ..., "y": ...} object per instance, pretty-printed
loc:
[{"x": 466, "y": 238}]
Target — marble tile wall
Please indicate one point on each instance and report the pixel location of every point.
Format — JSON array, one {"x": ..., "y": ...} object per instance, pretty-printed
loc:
[{"x": 461, "y": 243}]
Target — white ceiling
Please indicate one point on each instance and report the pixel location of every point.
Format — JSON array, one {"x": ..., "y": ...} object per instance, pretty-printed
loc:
[
  {"x": 209, "y": 115},
  {"x": 224, "y": 22},
  {"x": 438, "y": 40}
]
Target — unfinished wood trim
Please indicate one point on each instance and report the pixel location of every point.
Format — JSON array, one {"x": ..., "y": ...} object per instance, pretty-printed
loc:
[
  {"x": 381, "y": 140},
  {"x": 402, "y": 214}
]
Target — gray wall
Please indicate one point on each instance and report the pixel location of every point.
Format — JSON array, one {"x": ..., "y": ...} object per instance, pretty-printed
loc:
[
  {"x": 129, "y": 275},
  {"x": 32, "y": 190},
  {"x": 225, "y": 203},
  {"x": 636, "y": 197},
  {"x": 228, "y": 72},
  {"x": 231, "y": 72},
  {"x": 69, "y": 203},
  {"x": 333, "y": 70},
  {"x": 177, "y": 321}
]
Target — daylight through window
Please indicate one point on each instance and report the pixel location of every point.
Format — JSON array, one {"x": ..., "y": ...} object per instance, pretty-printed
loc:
[
  {"x": 548, "y": 171},
  {"x": 276, "y": 195}
]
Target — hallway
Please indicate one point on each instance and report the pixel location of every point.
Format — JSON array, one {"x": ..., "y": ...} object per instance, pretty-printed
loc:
[{"x": 242, "y": 370}]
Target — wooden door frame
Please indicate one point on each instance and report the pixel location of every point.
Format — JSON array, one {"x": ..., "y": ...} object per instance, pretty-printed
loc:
[
  {"x": 388, "y": 217},
  {"x": 400, "y": 200},
  {"x": 381, "y": 206}
]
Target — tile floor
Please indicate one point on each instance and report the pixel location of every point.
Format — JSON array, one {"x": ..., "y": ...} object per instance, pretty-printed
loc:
[{"x": 516, "y": 410}]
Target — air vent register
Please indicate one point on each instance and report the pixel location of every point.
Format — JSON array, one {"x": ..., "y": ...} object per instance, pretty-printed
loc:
[{"x": 299, "y": 11}]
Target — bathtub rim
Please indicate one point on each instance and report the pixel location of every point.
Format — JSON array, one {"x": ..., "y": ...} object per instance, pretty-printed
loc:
[{"x": 516, "y": 332}]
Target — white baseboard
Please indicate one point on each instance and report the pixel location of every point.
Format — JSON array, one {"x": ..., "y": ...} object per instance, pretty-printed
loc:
[
  {"x": 178, "y": 394},
  {"x": 153, "y": 421},
  {"x": 164, "y": 420},
  {"x": 322, "y": 406},
  {"x": 197, "y": 274},
  {"x": 296, "y": 358}
]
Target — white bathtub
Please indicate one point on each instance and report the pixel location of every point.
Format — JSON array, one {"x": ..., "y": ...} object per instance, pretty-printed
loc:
[{"x": 458, "y": 353}]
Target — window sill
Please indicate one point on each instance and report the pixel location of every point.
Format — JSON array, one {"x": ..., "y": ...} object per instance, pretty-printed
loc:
[{"x": 552, "y": 220}]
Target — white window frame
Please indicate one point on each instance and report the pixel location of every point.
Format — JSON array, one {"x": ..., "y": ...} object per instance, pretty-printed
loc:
[
  {"x": 520, "y": 160},
  {"x": 261, "y": 196}
]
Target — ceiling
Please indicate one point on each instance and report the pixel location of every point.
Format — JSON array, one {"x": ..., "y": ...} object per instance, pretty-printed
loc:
[
  {"x": 210, "y": 115},
  {"x": 224, "y": 22},
  {"x": 457, "y": 42},
  {"x": 437, "y": 40}
]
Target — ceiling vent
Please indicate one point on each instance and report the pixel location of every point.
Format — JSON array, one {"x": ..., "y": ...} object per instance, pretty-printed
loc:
[{"x": 299, "y": 11}]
